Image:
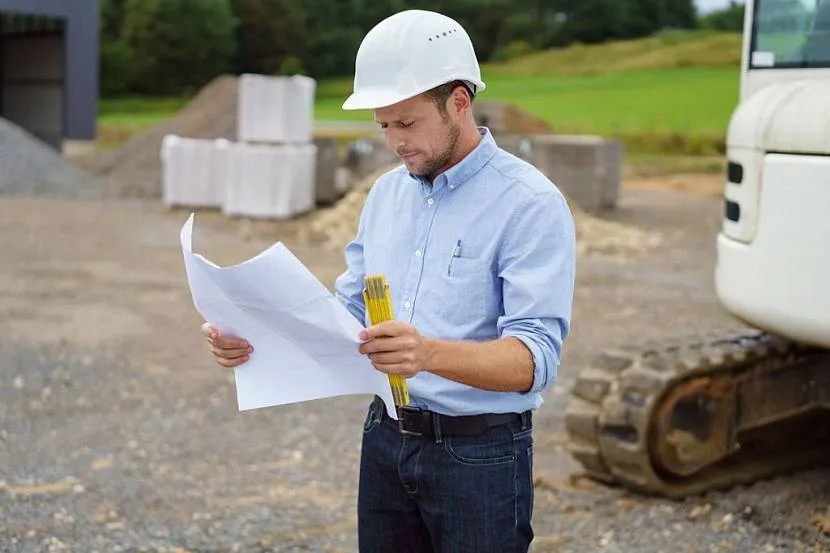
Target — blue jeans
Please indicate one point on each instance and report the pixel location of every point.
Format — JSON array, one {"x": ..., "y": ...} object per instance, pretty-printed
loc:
[{"x": 445, "y": 493}]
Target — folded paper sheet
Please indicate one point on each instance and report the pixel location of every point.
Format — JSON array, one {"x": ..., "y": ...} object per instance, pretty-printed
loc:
[{"x": 305, "y": 341}]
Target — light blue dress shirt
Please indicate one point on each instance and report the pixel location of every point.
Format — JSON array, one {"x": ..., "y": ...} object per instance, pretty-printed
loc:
[{"x": 486, "y": 251}]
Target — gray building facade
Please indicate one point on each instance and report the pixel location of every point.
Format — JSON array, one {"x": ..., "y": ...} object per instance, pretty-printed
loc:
[{"x": 49, "y": 68}]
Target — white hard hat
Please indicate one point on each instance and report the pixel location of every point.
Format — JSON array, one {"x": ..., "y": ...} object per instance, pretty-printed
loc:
[{"x": 409, "y": 53}]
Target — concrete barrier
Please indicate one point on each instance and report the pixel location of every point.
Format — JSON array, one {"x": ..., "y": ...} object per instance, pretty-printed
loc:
[
  {"x": 326, "y": 188},
  {"x": 587, "y": 169},
  {"x": 366, "y": 155}
]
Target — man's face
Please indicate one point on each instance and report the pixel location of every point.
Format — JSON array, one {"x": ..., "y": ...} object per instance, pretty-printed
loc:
[{"x": 424, "y": 138}]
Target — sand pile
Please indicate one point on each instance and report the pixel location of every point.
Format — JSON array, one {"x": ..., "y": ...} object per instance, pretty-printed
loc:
[
  {"x": 335, "y": 226},
  {"x": 601, "y": 236},
  {"x": 29, "y": 166},
  {"x": 135, "y": 168}
]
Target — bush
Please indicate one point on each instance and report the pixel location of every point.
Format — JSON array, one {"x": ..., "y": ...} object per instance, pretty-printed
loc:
[
  {"x": 292, "y": 65},
  {"x": 181, "y": 44},
  {"x": 119, "y": 68},
  {"x": 730, "y": 18},
  {"x": 513, "y": 50}
]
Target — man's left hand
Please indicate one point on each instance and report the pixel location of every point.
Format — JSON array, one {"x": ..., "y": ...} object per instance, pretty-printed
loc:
[{"x": 395, "y": 347}]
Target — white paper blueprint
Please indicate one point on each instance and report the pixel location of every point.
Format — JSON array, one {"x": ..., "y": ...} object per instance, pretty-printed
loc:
[{"x": 305, "y": 341}]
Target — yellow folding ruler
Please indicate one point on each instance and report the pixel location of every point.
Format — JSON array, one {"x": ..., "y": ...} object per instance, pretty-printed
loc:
[{"x": 379, "y": 304}]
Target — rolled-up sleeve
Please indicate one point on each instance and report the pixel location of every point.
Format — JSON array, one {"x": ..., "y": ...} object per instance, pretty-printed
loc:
[{"x": 537, "y": 267}]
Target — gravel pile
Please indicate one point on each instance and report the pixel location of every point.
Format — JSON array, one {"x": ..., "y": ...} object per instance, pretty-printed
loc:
[
  {"x": 335, "y": 226},
  {"x": 135, "y": 168},
  {"x": 28, "y": 166}
]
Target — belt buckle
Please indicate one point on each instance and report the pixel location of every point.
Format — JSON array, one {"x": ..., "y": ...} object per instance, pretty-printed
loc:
[{"x": 412, "y": 414}]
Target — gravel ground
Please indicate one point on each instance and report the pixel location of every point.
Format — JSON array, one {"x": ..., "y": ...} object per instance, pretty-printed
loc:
[{"x": 117, "y": 433}]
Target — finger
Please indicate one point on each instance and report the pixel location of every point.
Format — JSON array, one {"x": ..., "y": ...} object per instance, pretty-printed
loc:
[
  {"x": 230, "y": 353},
  {"x": 385, "y": 329},
  {"x": 230, "y": 363},
  {"x": 393, "y": 368},
  {"x": 208, "y": 330},
  {"x": 230, "y": 342},
  {"x": 217, "y": 339},
  {"x": 393, "y": 358},
  {"x": 385, "y": 344}
]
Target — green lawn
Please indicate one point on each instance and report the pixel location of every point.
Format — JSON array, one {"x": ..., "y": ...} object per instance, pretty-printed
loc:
[
  {"x": 684, "y": 100},
  {"x": 137, "y": 112},
  {"x": 650, "y": 107}
]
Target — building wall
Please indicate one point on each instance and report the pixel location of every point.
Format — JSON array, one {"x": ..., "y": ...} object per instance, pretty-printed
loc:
[{"x": 79, "y": 52}]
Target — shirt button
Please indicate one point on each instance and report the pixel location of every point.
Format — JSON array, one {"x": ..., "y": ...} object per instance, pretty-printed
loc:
[
  {"x": 418, "y": 253},
  {"x": 407, "y": 305},
  {"x": 452, "y": 187},
  {"x": 430, "y": 201}
]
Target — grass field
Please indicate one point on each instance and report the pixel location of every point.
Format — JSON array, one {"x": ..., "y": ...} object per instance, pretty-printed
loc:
[
  {"x": 670, "y": 93},
  {"x": 681, "y": 100},
  {"x": 138, "y": 112}
]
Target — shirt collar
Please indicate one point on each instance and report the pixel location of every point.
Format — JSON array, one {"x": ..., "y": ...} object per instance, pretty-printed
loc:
[{"x": 465, "y": 169}]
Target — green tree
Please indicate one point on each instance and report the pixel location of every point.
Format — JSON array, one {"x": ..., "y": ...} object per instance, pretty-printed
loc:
[
  {"x": 166, "y": 46},
  {"x": 117, "y": 58},
  {"x": 119, "y": 70},
  {"x": 335, "y": 29},
  {"x": 681, "y": 14},
  {"x": 730, "y": 18},
  {"x": 112, "y": 19},
  {"x": 179, "y": 44},
  {"x": 269, "y": 33}
]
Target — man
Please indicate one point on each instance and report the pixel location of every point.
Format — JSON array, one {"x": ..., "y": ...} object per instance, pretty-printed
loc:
[{"x": 478, "y": 249}]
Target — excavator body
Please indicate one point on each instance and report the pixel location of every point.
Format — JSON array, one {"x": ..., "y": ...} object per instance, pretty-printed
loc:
[{"x": 718, "y": 411}]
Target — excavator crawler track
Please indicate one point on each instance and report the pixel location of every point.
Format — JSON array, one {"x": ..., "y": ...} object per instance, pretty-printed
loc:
[{"x": 618, "y": 403}]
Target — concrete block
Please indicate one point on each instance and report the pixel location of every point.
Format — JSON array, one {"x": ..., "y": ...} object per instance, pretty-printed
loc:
[
  {"x": 365, "y": 156},
  {"x": 265, "y": 181},
  {"x": 327, "y": 188},
  {"x": 275, "y": 109},
  {"x": 587, "y": 169},
  {"x": 193, "y": 171}
]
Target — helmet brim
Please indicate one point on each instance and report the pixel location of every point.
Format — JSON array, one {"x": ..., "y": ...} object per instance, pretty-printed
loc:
[
  {"x": 372, "y": 99},
  {"x": 381, "y": 98}
]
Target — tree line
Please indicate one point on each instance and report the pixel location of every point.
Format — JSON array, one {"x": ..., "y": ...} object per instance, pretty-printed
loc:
[{"x": 177, "y": 46}]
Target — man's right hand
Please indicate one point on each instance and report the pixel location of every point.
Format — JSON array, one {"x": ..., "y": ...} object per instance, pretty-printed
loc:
[{"x": 228, "y": 351}]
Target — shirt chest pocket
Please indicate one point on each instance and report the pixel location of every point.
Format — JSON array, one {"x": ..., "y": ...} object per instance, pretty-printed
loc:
[
  {"x": 461, "y": 268},
  {"x": 461, "y": 298}
]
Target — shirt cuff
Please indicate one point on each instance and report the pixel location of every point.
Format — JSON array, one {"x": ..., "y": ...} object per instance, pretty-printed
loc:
[{"x": 539, "y": 364}]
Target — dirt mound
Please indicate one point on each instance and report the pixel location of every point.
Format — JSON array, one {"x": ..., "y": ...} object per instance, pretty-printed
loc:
[
  {"x": 335, "y": 226},
  {"x": 29, "y": 166},
  {"x": 135, "y": 168},
  {"x": 503, "y": 118}
]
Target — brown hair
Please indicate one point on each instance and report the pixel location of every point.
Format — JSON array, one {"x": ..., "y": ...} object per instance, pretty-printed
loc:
[{"x": 441, "y": 93}]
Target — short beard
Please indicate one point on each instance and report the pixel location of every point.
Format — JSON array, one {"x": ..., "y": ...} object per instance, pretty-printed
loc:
[{"x": 432, "y": 166}]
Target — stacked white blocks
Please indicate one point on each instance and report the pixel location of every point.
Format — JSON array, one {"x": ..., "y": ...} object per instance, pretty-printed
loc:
[
  {"x": 275, "y": 109},
  {"x": 193, "y": 171},
  {"x": 269, "y": 172},
  {"x": 270, "y": 181}
]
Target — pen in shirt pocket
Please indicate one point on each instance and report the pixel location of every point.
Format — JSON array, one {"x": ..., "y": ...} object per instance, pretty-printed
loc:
[{"x": 456, "y": 252}]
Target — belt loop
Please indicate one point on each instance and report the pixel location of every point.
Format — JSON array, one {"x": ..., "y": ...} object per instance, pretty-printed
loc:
[
  {"x": 525, "y": 419},
  {"x": 436, "y": 428}
]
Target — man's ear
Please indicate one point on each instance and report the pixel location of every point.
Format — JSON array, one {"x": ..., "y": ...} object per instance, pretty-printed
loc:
[{"x": 460, "y": 100}]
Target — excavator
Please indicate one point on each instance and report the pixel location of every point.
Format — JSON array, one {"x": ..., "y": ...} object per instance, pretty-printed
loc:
[{"x": 720, "y": 411}]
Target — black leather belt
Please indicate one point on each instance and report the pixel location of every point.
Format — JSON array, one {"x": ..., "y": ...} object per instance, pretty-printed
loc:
[{"x": 420, "y": 422}]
